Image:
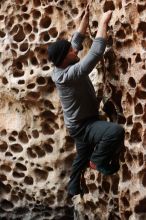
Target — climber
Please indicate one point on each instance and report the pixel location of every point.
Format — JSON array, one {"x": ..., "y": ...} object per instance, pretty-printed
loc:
[{"x": 98, "y": 143}]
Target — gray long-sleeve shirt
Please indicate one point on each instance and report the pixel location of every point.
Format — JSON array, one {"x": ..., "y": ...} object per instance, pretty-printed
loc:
[{"x": 74, "y": 86}]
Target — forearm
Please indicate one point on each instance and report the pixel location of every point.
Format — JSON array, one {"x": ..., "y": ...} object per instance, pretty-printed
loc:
[
  {"x": 102, "y": 30},
  {"x": 85, "y": 21},
  {"x": 83, "y": 25}
]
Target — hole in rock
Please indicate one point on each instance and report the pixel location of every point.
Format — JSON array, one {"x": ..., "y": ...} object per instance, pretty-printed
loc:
[
  {"x": 45, "y": 68},
  {"x": 89, "y": 205},
  {"x": 127, "y": 214},
  {"x": 25, "y": 16},
  {"x": 36, "y": 14},
  {"x": 49, "y": 10},
  {"x": 5, "y": 167},
  {"x": 142, "y": 26},
  {"x": 51, "y": 141},
  {"x": 105, "y": 186},
  {"x": 3, "y": 132},
  {"x": 75, "y": 11},
  {"x": 37, "y": 3},
  {"x": 68, "y": 159},
  {"x": 33, "y": 95},
  {"x": 32, "y": 37},
  {"x": 31, "y": 153},
  {"x": 27, "y": 28},
  {"x": 19, "y": 2},
  {"x": 62, "y": 174},
  {"x": 143, "y": 81},
  {"x": 141, "y": 8},
  {"x": 115, "y": 184},
  {"x": 60, "y": 194},
  {"x": 23, "y": 137},
  {"x": 49, "y": 168},
  {"x": 16, "y": 148},
  {"x": 135, "y": 136},
  {"x": 34, "y": 61},
  {"x": 125, "y": 201},
  {"x": 4, "y": 80},
  {"x": 11, "y": 138},
  {"x": 6, "y": 205},
  {"x": 18, "y": 65},
  {"x": 53, "y": 32},
  {"x": 138, "y": 58},
  {"x": 18, "y": 73},
  {"x": 15, "y": 133},
  {"x": 21, "y": 167},
  {"x": 61, "y": 150},
  {"x": 8, "y": 154},
  {"x": 62, "y": 3},
  {"x": 35, "y": 133},
  {"x": 24, "y": 8},
  {"x": 144, "y": 178},
  {"x": 140, "y": 159},
  {"x": 31, "y": 86},
  {"x": 3, "y": 147},
  {"x": 2, "y": 34},
  {"x": 21, "y": 82},
  {"x": 28, "y": 180},
  {"x": 121, "y": 34},
  {"x": 46, "y": 37},
  {"x": 45, "y": 22},
  {"x": 48, "y": 104},
  {"x": 18, "y": 175},
  {"x": 126, "y": 173},
  {"x": 14, "y": 199},
  {"x": 3, "y": 177},
  {"x": 95, "y": 24},
  {"x": 51, "y": 85},
  {"x": 21, "y": 158},
  {"x": 108, "y": 5},
  {"x": 41, "y": 80},
  {"x": 2, "y": 17},
  {"x": 138, "y": 109},
  {"x": 40, "y": 152},
  {"x": 110, "y": 55},
  {"x": 110, "y": 41},
  {"x": 24, "y": 47},
  {"x": 140, "y": 93},
  {"x": 123, "y": 65},
  {"x": 41, "y": 174},
  {"x": 10, "y": 22},
  {"x": 20, "y": 36},
  {"x": 14, "y": 29},
  {"x": 47, "y": 147},
  {"x": 132, "y": 82},
  {"x": 48, "y": 115},
  {"x": 141, "y": 207}
]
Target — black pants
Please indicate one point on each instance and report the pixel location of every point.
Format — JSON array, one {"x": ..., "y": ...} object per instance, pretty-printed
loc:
[{"x": 99, "y": 142}]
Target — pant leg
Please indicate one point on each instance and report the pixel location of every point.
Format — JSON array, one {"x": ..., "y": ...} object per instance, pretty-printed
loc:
[
  {"x": 84, "y": 151},
  {"x": 107, "y": 137}
]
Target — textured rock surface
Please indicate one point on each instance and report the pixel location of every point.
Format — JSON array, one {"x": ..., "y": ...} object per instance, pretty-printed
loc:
[{"x": 36, "y": 152}]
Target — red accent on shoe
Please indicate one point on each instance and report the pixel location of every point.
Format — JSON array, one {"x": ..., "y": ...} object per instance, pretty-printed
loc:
[{"x": 92, "y": 165}]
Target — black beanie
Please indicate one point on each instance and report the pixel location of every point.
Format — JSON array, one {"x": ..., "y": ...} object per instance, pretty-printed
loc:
[{"x": 58, "y": 51}]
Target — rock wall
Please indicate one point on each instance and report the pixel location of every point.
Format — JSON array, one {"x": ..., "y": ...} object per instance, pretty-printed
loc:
[{"x": 36, "y": 151}]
